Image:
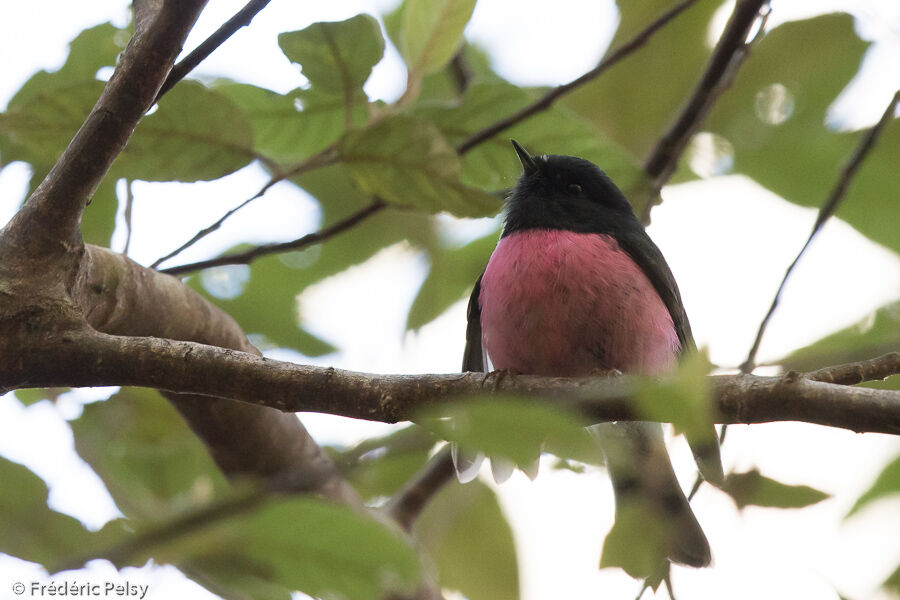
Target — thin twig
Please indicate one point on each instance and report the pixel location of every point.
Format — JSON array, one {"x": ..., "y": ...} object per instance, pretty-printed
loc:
[
  {"x": 169, "y": 531},
  {"x": 240, "y": 19},
  {"x": 547, "y": 100},
  {"x": 825, "y": 212},
  {"x": 407, "y": 504},
  {"x": 243, "y": 258},
  {"x": 322, "y": 159},
  {"x": 728, "y": 55},
  {"x": 129, "y": 204},
  {"x": 460, "y": 71}
]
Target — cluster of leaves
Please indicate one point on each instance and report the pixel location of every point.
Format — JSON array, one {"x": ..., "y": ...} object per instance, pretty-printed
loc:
[{"x": 405, "y": 154}]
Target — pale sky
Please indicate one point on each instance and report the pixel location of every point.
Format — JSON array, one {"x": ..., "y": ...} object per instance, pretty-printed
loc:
[{"x": 726, "y": 273}]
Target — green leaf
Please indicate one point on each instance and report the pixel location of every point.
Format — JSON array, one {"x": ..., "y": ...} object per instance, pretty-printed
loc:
[
  {"x": 513, "y": 428},
  {"x": 633, "y": 102},
  {"x": 30, "y": 530},
  {"x": 99, "y": 219},
  {"x": 290, "y": 127},
  {"x": 336, "y": 57},
  {"x": 149, "y": 459},
  {"x": 432, "y": 32},
  {"x": 38, "y": 130},
  {"x": 779, "y": 103},
  {"x": 44, "y": 114},
  {"x": 494, "y": 165},
  {"x": 317, "y": 547},
  {"x": 886, "y": 484},
  {"x": 453, "y": 272},
  {"x": 753, "y": 488},
  {"x": 876, "y": 334},
  {"x": 268, "y": 306},
  {"x": 196, "y": 134},
  {"x": 92, "y": 49},
  {"x": 407, "y": 162},
  {"x": 683, "y": 398},
  {"x": 379, "y": 467},
  {"x": 892, "y": 583},
  {"x": 34, "y": 395},
  {"x": 459, "y": 514},
  {"x": 638, "y": 541}
]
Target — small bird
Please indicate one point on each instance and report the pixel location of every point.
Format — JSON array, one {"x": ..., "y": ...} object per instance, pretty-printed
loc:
[{"x": 575, "y": 286}]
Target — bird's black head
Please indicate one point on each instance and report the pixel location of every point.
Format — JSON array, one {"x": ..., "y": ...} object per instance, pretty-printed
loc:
[{"x": 564, "y": 192}]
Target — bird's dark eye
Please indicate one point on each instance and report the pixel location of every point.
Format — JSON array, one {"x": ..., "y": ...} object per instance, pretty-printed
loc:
[{"x": 573, "y": 188}]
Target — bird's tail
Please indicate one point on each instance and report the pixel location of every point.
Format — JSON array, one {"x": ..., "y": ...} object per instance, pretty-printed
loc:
[{"x": 642, "y": 476}]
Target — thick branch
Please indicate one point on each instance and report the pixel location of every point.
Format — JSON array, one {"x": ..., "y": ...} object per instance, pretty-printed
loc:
[
  {"x": 829, "y": 207},
  {"x": 87, "y": 358},
  {"x": 118, "y": 296},
  {"x": 727, "y": 56},
  {"x": 547, "y": 100},
  {"x": 53, "y": 212}
]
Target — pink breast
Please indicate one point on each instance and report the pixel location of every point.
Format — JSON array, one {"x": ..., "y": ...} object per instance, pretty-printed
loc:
[{"x": 563, "y": 303}]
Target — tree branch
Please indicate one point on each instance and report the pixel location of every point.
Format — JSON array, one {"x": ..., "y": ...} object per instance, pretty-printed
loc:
[
  {"x": 829, "y": 207},
  {"x": 119, "y": 297},
  {"x": 53, "y": 212},
  {"x": 244, "y": 258},
  {"x": 407, "y": 504},
  {"x": 547, "y": 100},
  {"x": 726, "y": 58},
  {"x": 87, "y": 358},
  {"x": 240, "y": 19},
  {"x": 322, "y": 159},
  {"x": 852, "y": 373}
]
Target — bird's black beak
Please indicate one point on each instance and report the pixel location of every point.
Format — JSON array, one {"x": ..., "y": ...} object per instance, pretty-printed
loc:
[{"x": 528, "y": 163}]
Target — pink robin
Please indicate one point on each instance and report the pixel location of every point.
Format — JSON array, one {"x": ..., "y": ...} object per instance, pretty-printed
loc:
[{"x": 575, "y": 286}]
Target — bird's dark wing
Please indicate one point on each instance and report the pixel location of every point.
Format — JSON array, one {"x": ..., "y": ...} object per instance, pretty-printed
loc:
[
  {"x": 473, "y": 357},
  {"x": 638, "y": 245}
]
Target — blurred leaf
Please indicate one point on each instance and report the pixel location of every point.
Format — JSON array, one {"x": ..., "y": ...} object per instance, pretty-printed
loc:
[
  {"x": 93, "y": 48},
  {"x": 149, "y": 459},
  {"x": 379, "y": 467},
  {"x": 458, "y": 515},
  {"x": 34, "y": 395},
  {"x": 268, "y": 306},
  {"x": 637, "y": 542},
  {"x": 683, "y": 398},
  {"x": 407, "y": 162},
  {"x": 876, "y": 334},
  {"x": 432, "y": 32},
  {"x": 99, "y": 219},
  {"x": 453, "y": 271},
  {"x": 317, "y": 547},
  {"x": 30, "y": 530},
  {"x": 633, "y": 102},
  {"x": 336, "y": 57},
  {"x": 494, "y": 165},
  {"x": 892, "y": 583},
  {"x": 886, "y": 484},
  {"x": 290, "y": 127},
  {"x": 753, "y": 488},
  {"x": 196, "y": 134},
  {"x": 513, "y": 428},
  {"x": 779, "y": 103},
  {"x": 37, "y": 131}
]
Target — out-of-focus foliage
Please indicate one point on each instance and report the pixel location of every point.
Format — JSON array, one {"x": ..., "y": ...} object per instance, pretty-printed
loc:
[{"x": 770, "y": 125}]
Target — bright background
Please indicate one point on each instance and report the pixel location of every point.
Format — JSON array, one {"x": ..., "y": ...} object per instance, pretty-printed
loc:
[{"x": 727, "y": 240}]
